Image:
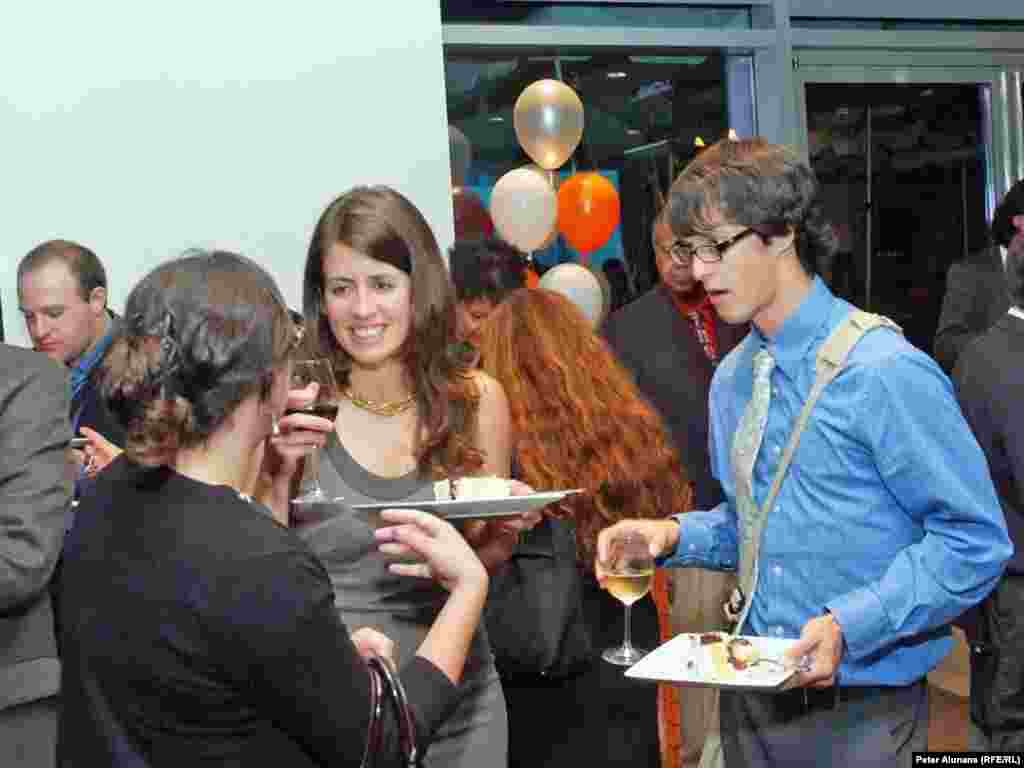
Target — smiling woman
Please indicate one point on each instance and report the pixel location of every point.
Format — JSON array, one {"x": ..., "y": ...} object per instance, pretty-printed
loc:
[{"x": 379, "y": 304}]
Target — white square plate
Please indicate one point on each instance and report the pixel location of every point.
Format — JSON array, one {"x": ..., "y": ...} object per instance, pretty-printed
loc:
[{"x": 684, "y": 660}]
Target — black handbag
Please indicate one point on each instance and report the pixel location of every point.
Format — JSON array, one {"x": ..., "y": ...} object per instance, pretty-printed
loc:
[
  {"x": 386, "y": 689},
  {"x": 534, "y": 613}
]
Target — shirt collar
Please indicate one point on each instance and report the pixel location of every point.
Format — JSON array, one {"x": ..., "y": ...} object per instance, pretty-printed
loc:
[
  {"x": 792, "y": 343},
  {"x": 700, "y": 299},
  {"x": 82, "y": 370}
]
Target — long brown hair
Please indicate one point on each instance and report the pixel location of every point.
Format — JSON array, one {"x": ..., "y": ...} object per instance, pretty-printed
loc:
[
  {"x": 578, "y": 418},
  {"x": 384, "y": 225}
]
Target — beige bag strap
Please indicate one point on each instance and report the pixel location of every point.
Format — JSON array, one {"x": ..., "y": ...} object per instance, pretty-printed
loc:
[{"x": 830, "y": 361}]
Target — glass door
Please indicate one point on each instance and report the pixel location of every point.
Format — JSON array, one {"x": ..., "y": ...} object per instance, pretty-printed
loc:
[{"x": 911, "y": 160}]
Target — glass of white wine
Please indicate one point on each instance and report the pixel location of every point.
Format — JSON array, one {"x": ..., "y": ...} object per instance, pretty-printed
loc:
[{"x": 629, "y": 571}]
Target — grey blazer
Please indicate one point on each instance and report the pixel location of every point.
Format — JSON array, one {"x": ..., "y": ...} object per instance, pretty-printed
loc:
[
  {"x": 35, "y": 496},
  {"x": 976, "y": 297}
]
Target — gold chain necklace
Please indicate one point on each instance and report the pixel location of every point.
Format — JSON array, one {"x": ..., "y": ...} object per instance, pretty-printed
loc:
[{"x": 385, "y": 408}]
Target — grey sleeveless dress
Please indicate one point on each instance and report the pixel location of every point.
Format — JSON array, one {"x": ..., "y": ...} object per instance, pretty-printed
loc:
[{"x": 403, "y": 608}]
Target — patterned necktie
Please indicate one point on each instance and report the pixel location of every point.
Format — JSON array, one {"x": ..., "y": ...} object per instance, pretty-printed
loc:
[
  {"x": 751, "y": 429},
  {"x": 745, "y": 446}
]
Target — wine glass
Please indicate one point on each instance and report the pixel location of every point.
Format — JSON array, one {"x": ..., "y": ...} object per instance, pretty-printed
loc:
[
  {"x": 630, "y": 569},
  {"x": 325, "y": 405}
]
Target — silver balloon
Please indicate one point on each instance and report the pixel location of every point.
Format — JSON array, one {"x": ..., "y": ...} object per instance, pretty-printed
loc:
[
  {"x": 580, "y": 286},
  {"x": 524, "y": 207},
  {"x": 548, "y": 118}
]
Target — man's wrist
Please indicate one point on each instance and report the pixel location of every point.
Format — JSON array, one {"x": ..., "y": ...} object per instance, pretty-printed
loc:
[
  {"x": 839, "y": 629},
  {"x": 672, "y": 540}
]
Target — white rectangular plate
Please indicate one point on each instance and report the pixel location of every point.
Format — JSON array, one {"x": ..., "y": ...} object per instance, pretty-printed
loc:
[
  {"x": 668, "y": 663},
  {"x": 470, "y": 509}
]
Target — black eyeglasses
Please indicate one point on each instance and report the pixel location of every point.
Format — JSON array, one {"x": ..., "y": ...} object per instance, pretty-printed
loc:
[{"x": 712, "y": 253}]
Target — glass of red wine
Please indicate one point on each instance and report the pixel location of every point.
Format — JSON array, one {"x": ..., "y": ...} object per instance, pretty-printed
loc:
[{"x": 325, "y": 405}]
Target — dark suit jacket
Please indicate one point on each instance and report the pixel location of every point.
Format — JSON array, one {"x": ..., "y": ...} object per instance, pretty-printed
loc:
[
  {"x": 989, "y": 380},
  {"x": 976, "y": 297},
  {"x": 35, "y": 494},
  {"x": 654, "y": 341},
  {"x": 90, "y": 410}
]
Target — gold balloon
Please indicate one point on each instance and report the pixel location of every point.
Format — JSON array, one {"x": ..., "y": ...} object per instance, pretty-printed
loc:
[{"x": 548, "y": 118}]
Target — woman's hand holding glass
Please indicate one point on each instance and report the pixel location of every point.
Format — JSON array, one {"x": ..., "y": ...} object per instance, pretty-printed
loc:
[
  {"x": 300, "y": 430},
  {"x": 298, "y": 433},
  {"x": 326, "y": 398}
]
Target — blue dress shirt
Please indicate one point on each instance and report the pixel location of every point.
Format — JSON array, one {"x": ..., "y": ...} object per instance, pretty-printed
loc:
[{"x": 887, "y": 516}]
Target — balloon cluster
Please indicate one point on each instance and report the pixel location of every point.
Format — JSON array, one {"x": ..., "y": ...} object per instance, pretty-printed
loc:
[{"x": 525, "y": 208}]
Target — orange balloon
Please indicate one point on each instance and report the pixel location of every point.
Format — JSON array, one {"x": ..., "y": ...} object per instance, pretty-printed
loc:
[
  {"x": 588, "y": 211},
  {"x": 532, "y": 281}
]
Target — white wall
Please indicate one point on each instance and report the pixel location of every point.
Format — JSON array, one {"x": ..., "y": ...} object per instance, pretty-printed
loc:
[{"x": 142, "y": 128}]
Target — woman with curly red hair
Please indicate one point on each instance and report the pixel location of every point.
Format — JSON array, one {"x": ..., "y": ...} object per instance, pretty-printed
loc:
[{"x": 578, "y": 421}]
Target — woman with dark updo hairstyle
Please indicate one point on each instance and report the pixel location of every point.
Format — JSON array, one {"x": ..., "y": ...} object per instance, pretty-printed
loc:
[{"x": 194, "y": 627}]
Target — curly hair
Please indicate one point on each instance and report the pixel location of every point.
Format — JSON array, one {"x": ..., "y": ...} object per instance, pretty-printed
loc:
[
  {"x": 756, "y": 184},
  {"x": 201, "y": 333},
  {"x": 578, "y": 419},
  {"x": 384, "y": 225}
]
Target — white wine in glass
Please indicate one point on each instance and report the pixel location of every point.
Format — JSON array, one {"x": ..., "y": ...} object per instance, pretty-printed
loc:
[
  {"x": 627, "y": 588},
  {"x": 629, "y": 571}
]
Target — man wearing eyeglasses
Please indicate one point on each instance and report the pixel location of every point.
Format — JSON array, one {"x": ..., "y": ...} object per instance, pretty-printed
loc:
[
  {"x": 671, "y": 339},
  {"x": 886, "y": 525}
]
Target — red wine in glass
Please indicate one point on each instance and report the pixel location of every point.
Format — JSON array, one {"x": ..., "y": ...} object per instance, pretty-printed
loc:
[{"x": 321, "y": 373}]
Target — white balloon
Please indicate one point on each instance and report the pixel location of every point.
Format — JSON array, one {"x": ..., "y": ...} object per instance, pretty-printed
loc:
[
  {"x": 580, "y": 286},
  {"x": 524, "y": 207}
]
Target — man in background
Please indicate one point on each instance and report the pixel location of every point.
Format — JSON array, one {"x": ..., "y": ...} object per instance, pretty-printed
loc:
[
  {"x": 976, "y": 290},
  {"x": 671, "y": 339},
  {"x": 62, "y": 293},
  {"x": 34, "y": 508},
  {"x": 989, "y": 379}
]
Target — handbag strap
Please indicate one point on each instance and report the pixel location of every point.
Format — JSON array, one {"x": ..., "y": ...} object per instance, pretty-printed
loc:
[
  {"x": 374, "y": 728},
  {"x": 383, "y": 671},
  {"x": 831, "y": 359}
]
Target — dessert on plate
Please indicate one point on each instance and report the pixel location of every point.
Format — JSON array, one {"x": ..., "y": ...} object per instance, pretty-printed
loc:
[{"x": 485, "y": 487}]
